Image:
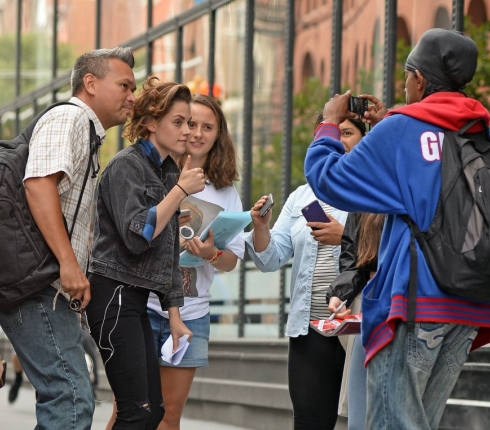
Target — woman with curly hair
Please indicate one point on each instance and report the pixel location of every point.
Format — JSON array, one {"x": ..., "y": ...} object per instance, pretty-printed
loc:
[
  {"x": 210, "y": 148},
  {"x": 136, "y": 249}
]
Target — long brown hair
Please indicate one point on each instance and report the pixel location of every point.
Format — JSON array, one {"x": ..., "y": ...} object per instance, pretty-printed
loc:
[
  {"x": 221, "y": 162},
  {"x": 370, "y": 228}
]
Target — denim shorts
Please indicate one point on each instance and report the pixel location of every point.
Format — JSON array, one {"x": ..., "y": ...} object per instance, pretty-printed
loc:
[{"x": 197, "y": 353}]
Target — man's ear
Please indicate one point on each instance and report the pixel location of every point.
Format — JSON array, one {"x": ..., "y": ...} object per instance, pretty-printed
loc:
[
  {"x": 421, "y": 82},
  {"x": 89, "y": 83}
]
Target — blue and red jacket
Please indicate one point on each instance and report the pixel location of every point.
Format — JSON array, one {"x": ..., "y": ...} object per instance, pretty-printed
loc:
[{"x": 396, "y": 170}]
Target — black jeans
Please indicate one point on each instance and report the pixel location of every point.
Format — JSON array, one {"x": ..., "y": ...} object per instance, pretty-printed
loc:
[
  {"x": 315, "y": 368},
  {"x": 121, "y": 329}
]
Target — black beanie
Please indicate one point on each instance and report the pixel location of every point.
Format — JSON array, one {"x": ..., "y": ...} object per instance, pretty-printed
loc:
[{"x": 447, "y": 58}]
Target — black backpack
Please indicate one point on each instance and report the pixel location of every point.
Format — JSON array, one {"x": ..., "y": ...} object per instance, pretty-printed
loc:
[
  {"x": 27, "y": 265},
  {"x": 457, "y": 244}
]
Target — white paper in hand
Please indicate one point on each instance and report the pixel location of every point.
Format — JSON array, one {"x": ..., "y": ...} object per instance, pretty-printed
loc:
[{"x": 179, "y": 353}]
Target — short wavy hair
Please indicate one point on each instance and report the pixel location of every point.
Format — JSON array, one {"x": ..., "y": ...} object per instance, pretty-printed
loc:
[{"x": 153, "y": 102}]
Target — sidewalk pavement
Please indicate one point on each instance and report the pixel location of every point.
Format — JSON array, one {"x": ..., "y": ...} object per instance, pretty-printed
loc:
[{"x": 21, "y": 414}]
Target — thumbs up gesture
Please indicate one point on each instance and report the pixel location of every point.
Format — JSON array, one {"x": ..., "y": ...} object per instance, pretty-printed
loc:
[{"x": 191, "y": 180}]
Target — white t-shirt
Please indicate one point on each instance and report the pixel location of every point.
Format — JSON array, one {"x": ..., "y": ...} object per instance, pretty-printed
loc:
[{"x": 197, "y": 296}]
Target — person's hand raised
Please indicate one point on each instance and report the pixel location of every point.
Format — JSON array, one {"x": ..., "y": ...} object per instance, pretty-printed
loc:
[
  {"x": 376, "y": 111},
  {"x": 191, "y": 180},
  {"x": 336, "y": 109},
  {"x": 257, "y": 220}
]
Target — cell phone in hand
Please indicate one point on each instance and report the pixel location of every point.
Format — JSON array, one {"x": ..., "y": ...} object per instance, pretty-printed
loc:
[
  {"x": 358, "y": 105},
  {"x": 267, "y": 205},
  {"x": 313, "y": 212}
]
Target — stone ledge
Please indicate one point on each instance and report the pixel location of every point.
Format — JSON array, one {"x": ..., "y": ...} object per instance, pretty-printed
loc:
[{"x": 262, "y": 394}]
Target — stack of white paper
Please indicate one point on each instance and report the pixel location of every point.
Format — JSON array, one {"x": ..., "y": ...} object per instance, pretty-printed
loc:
[{"x": 175, "y": 357}]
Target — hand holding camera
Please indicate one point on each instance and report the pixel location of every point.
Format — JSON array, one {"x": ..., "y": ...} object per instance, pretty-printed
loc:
[
  {"x": 358, "y": 105},
  {"x": 337, "y": 109},
  {"x": 376, "y": 110}
]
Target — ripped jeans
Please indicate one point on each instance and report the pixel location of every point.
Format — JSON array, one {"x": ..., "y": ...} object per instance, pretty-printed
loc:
[{"x": 121, "y": 329}]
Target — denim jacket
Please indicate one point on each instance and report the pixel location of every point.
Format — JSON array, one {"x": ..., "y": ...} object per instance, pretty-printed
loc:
[
  {"x": 291, "y": 237},
  {"x": 130, "y": 186}
]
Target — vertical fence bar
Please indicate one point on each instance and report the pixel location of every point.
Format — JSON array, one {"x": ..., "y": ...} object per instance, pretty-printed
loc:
[
  {"x": 287, "y": 142},
  {"x": 212, "y": 50},
  {"x": 336, "y": 66},
  {"x": 98, "y": 23},
  {"x": 458, "y": 15},
  {"x": 248, "y": 99},
  {"x": 390, "y": 52},
  {"x": 18, "y": 54},
  {"x": 54, "y": 49},
  {"x": 179, "y": 55},
  {"x": 149, "y": 46}
]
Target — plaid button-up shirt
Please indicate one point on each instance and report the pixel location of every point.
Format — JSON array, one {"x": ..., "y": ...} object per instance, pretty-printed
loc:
[{"x": 60, "y": 143}]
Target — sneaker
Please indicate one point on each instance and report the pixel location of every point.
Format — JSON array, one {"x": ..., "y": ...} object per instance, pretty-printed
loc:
[{"x": 14, "y": 391}]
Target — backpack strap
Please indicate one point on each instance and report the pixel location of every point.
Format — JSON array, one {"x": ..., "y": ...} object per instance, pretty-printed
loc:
[
  {"x": 412, "y": 282},
  {"x": 94, "y": 149},
  {"x": 27, "y": 132},
  {"x": 470, "y": 124}
]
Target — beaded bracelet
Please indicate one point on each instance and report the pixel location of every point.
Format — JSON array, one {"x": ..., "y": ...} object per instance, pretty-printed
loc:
[{"x": 214, "y": 259}]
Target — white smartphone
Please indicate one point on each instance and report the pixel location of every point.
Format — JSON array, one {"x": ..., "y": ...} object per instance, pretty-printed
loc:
[{"x": 267, "y": 205}]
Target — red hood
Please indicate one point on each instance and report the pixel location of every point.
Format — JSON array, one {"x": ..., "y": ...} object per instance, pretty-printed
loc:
[{"x": 446, "y": 110}]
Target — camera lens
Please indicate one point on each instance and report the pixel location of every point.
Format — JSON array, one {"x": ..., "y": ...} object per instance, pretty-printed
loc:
[
  {"x": 75, "y": 305},
  {"x": 186, "y": 232}
]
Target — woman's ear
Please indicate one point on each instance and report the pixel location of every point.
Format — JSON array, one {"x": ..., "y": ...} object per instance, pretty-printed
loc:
[{"x": 152, "y": 126}]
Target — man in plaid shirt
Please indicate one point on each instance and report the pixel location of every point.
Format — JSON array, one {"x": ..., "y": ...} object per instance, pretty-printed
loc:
[{"x": 44, "y": 332}]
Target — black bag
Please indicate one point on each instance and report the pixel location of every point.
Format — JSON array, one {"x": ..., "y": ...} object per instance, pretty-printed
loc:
[
  {"x": 457, "y": 244},
  {"x": 27, "y": 265}
]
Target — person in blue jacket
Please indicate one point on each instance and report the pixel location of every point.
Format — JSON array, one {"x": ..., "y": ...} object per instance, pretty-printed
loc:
[{"x": 396, "y": 170}]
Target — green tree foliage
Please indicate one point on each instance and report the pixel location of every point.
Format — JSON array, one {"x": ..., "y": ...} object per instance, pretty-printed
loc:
[
  {"x": 35, "y": 67},
  {"x": 402, "y": 51},
  {"x": 35, "y": 63},
  {"x": 479, "y": 87}
]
